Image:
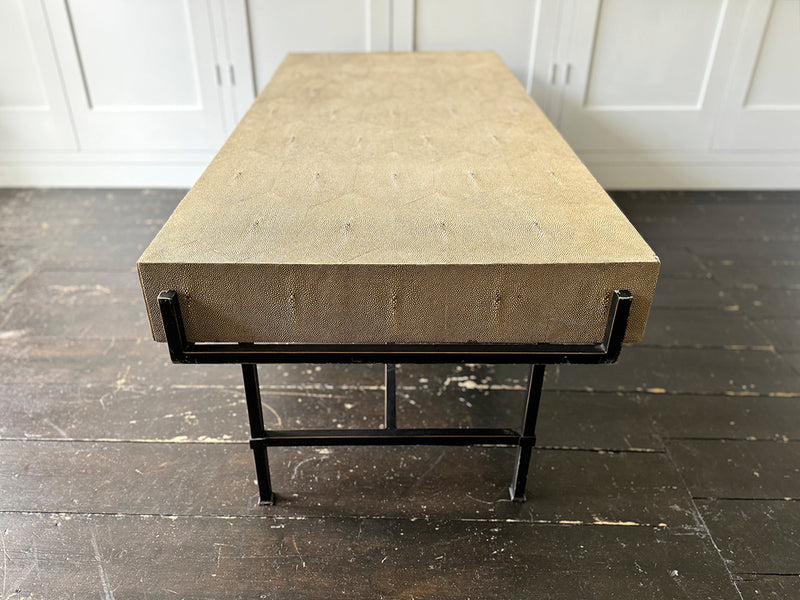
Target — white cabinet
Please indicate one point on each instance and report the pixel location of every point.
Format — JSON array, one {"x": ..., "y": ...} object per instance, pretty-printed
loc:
[
  {"x": 139, "y": 75},
  {"x": 681, "y": 94},
  {"x": 116, "y": 92},
  {"x": 650, "y": 93},
  {"x": 33, "y": 109},
  {"x": 278, "y": 27},
  {"x": 763, "y": 107},
  {"x": 646, "y": 74},
  {"x": 505, "y": 26}
]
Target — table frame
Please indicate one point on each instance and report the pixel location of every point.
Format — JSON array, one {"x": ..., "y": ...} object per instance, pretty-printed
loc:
[{"x": 249, "y": 355}]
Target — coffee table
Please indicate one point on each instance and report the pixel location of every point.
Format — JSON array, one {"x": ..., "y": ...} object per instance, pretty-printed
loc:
[{"x": 396, "y": 208}]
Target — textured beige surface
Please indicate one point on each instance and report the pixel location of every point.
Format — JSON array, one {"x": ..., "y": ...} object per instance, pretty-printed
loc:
[{"x": 397, "y": 198}]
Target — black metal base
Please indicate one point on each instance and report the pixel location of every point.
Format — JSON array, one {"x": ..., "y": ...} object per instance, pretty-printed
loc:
[{"x": 537, "y": 355}]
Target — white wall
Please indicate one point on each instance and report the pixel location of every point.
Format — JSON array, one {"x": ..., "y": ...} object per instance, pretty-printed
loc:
[{"x": 651, "y": 94}]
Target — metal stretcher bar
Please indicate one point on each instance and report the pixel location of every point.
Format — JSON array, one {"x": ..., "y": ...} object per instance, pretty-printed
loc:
[{"x": 537, "y": 355}]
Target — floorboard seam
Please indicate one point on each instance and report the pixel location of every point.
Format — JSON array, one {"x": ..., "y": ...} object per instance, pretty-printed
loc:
[
  {"x": 768, "y": 574},
  {"x": 213, "y": 442},
  {"x": 309, "y": 390},
  {"x": 15, "y": 285},
  {"x": 744, "y": 499},
  {"x": 210, "y": 442},
  {"x": 779, "y": 440},
  {"x": 699, "y": 518},
  {"x": 733, "y": 347},
  {"x": 428, "y": 519},
  {"x": 67, "y": 269}
]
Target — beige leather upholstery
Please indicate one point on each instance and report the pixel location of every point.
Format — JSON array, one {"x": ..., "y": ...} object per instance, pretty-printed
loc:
[{"x": 419, "y": 197}]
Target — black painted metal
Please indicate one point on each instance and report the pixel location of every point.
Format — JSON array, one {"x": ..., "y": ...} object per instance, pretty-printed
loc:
[
  {"x": 390, "y": 419},
  {"x": 527, "y": 439},
  {"x": 606, "y": 351},
  {"x": 251, "y": 354},
  {"x": 255, "y": 412},
  {"x": 173, "y": 325},
  {"x": 388, "y": 437}
]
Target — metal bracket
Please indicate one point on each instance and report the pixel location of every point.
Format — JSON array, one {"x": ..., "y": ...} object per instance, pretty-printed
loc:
[
  {"x": 183, "y": 351},
  {"x": 251, "y": 354}
]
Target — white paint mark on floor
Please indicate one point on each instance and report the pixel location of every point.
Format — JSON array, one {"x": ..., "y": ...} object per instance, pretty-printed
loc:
[
  {"x": 304, "y": 461},
  {"x": 107, "y": 593},
  {"x": 58, "y": 429}
]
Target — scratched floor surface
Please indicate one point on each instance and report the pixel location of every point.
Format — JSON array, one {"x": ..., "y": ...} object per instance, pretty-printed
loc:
[{"x": 672, "y": 474}]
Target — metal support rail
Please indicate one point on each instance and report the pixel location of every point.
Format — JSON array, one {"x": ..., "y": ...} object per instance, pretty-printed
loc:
[{"x": 250, "y": 354}]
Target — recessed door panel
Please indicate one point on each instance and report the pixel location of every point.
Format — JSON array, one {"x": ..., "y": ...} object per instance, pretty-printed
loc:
[
  {"x": 775, "y": 81},
  {"x": 763, "y": 107},
  {"x": 135, "y": 54},
  {"x": 646, "y": 75},
  {"x": 33, "y": 113},
  {"x": 652, "y": 54},
  {"x": 505, "y": 26},
  {"x": 140, "y": 75},
  {"x": 278, "y": 27}
]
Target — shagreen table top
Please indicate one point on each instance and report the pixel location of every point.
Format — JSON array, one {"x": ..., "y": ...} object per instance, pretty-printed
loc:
[{"x": 398, "y": 197}]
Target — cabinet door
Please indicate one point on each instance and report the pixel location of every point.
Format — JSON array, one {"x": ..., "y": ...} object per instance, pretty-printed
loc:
[
  {"x": 33, "y": 110},
  {"x": 516, "y": 29},
  {"x": 278, "y": 27},
  {"x": 763, "y": 107},
  {"x": 505, "y": 26},
  {"x": 139, "y": 75},
  {"x": 646, "y": 74}
]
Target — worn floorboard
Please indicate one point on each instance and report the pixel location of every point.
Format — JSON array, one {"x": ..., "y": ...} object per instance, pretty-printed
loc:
[
  {"x": 703, "y": 329},
  {"x": 756, "y": 536},
  {"x": 767, "y": 303},
  {"x": 769, "y": 587},
  {"x": 91, "y": 555},
  {"x": 693, "y": 294},
  {"x": 739, "y": 469},
  {"x": 444, "y": 483},
  {"x": 671, "y": 474}
]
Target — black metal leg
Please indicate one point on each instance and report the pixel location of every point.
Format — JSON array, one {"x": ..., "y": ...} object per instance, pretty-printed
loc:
[
  {"x": 252, "y": 393},
  {"x": 527, "y": 437},
  {"x": 249, "y": 354},
  {"x": 390, "y": 420}
]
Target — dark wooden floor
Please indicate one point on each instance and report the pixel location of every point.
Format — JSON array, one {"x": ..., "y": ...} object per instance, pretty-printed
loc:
[{"x": 672, "y": 474}]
